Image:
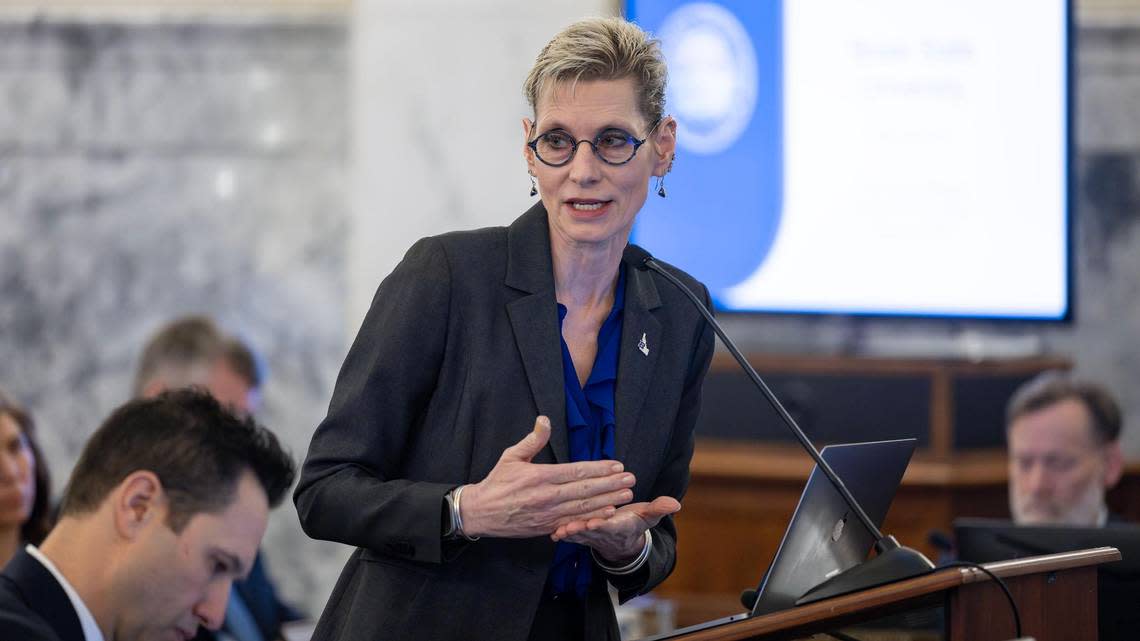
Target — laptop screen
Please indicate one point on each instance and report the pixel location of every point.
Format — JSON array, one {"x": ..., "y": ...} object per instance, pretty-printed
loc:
[{"x": 825, "y": 536}]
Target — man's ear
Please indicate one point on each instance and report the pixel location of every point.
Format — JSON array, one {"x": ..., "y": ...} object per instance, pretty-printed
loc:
[
  {"x": 1113, "y": 464},
  {"x": 528, "y": 153},
  {"x": 138, "y": 501},
  {"x": 664, "y": 146}
]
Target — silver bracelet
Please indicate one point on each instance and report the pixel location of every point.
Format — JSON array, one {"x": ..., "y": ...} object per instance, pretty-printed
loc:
[
  {"x": 632, "y": 566},
  {"x": 457, "y": 516}
]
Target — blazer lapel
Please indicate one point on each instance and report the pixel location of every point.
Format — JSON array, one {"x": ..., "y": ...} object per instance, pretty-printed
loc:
[
  {"x": 640, "y": 345},
  {"x": 534, "y": 320},
  {"x": 45, "y": 595}
]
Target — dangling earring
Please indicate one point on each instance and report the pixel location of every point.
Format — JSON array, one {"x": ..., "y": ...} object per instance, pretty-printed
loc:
[
  {"x": 661, "y": 178},
  {"x": 533, "y": 186}
]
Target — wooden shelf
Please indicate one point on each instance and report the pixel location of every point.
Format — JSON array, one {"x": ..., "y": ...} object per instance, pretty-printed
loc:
[
  {"x": 943, "y": 385},
  {"x": 733, "y": 460}
]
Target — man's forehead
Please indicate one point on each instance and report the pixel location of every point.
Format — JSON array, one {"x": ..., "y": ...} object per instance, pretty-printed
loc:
[
  {"x": 236, "y": 529},
  {"x": 1066, "y": 424},
  {"x": 236, "y": 533}
]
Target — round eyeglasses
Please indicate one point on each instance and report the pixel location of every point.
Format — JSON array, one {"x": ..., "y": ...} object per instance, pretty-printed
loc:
[{"x": 612, "y": 146}]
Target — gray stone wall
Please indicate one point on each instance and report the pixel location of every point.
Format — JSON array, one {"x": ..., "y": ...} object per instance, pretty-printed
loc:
[{"x": 161, "y": 166}]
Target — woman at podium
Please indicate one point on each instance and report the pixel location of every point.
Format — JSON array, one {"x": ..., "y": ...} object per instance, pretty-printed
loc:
[{"x": 512, "y": 427}]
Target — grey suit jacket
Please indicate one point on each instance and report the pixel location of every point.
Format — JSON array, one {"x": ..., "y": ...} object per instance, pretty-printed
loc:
[{"x": 457, "y": 356}]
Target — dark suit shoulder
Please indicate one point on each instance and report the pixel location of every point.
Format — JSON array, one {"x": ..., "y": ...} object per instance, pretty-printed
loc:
[
  {"x": 452, "y": 255},
  {"x": 473, "y": 247},
  {"x": 467, "y": 261},
  {"x": 473, "y": 237},
  {"x": 17, "y": 620},
  {"x": 33, "y": 605}
]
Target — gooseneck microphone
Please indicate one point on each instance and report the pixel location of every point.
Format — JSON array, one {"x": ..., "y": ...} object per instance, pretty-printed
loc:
[{"x": 892, "y": 561}]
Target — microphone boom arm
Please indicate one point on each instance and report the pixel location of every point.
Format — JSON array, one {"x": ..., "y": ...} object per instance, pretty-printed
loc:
[
  {"x": 793, "y": 427},
  {"x": 892, "y": 562}
]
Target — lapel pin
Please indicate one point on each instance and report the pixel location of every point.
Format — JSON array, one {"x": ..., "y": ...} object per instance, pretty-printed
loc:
[{"x": 643, "y": 345}]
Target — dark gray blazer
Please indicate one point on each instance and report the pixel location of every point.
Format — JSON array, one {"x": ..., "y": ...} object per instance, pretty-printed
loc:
[
  {"x": 457, "y": 356},
  {"x": 33, "y": 605}
]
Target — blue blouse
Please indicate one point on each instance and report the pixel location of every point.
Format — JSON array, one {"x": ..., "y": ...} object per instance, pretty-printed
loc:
[{"x": 590, "y": 423}]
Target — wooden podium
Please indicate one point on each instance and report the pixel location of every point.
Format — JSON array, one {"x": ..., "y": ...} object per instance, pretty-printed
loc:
[{"x": 1055, "y": 594}]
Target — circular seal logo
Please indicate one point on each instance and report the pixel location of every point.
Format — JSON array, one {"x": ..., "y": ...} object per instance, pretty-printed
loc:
[{"x": 712, "y": 76}]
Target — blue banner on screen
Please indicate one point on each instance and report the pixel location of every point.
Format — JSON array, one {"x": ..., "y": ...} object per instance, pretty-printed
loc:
[
  {"x": 724, "y": 91},
  {"x": 874, "y": 157}
]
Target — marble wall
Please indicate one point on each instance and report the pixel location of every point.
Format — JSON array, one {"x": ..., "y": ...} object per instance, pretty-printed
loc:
[
  {"x": 153, "y": 166},
  {"x": 437, "y": 116}
]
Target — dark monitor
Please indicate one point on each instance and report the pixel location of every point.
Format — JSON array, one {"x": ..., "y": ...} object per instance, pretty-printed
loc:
[{"x": 1118, "y": 583}]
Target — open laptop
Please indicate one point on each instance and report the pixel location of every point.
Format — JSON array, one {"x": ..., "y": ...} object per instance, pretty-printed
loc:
[{"x": 824, "y": 536}]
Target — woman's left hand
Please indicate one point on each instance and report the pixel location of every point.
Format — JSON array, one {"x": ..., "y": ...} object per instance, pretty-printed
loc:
[{"x": 620, "y": 538}]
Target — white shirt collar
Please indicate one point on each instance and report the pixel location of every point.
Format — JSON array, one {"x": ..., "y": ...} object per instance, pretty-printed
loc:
[{"x": 91, "y": 631}]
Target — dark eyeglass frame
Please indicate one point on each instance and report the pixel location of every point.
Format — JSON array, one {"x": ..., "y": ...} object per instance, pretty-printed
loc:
[{"x": 637, "y": 143}]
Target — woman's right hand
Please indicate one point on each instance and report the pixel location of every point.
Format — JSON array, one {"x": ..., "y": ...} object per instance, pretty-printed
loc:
[{"x": 520, "y": 499}]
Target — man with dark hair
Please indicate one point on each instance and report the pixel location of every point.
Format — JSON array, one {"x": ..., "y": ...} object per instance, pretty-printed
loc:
[
  {"x": 193, "y": 351},
  {"x": 164, "y": 510},
  {"x": 1064, "y": 451}
]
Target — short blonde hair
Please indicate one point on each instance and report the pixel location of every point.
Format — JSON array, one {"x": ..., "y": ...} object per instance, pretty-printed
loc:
[{"x": 603, "y": 49}]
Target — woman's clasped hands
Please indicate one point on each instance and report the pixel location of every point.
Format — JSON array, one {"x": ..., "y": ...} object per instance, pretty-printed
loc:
[{"x": 586, "y": 502}]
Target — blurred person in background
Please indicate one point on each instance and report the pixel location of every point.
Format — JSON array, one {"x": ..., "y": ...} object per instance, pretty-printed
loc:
[
  {"x": 25, "y": 487},
  {"x": 1064, "y": 451},
  {"x": 193, "y": 351},
  {"x": 243, "y": 372}
]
